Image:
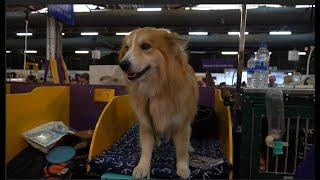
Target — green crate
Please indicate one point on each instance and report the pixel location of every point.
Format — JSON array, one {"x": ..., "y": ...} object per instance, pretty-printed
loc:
[{"x": 298, "y": 104}]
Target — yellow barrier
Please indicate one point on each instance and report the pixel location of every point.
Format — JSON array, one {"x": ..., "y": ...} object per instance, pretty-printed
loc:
[
  {"x": 224, "y": 120},
  {"x": 28, "y": 110},
  {"x": 118, "y": 117},
  {"x": 7, "y": 88}
]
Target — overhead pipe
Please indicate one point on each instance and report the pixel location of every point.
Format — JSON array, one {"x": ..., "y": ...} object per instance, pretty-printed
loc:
[
  {"x": 211, "y": 41},
  {"x": 191, "y": 18}
]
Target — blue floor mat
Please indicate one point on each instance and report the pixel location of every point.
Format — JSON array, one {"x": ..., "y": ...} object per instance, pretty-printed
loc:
[{"x": 207, "y": 162}]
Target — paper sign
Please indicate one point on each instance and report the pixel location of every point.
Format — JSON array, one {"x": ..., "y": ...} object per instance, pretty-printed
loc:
[{"x": 103, "y": 95}]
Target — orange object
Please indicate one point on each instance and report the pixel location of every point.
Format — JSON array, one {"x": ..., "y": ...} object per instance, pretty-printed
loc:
[{"x": 54, "y": 169}]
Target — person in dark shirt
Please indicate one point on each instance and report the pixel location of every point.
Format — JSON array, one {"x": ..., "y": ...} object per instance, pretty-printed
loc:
[
  {"x": 84, "y": 79},
  {"x": 31, "y": 79}
]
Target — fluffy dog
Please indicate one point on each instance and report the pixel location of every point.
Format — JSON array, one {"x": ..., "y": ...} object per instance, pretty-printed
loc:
[{"x": 158, "y": 75}]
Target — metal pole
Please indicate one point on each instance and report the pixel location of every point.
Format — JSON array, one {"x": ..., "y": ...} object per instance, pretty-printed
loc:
[
  {"x": 26, "y": 42},
  {"x": 237, "y": 95},
  {"x": 241, "y": 45}
]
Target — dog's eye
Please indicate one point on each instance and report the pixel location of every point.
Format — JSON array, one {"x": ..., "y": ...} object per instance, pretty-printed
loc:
[
  {"x": 145, "y": 46},
  {"x": 126, "y": 47}
]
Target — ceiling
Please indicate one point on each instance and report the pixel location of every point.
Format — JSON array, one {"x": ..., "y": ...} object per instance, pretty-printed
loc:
[{"x": 125, "y": 17}]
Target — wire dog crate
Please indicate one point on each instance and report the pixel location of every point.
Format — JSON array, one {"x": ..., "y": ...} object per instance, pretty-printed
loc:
[{"x": 257, "y": 160}]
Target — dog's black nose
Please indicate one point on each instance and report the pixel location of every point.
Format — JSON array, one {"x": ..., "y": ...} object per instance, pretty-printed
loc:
[{"x": 125, "y": 65}]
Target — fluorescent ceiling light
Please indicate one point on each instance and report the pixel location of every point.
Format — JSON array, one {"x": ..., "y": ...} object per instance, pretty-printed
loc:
[
  {"x": 229, "y": 53},
  {"x": 86, "y": 7},
  {"x": 149, "y": 9},
  {"x": 201, "y": 8},
  {"x": 302, "y": 53},
  {"x": 43, "y": 10},
  {"x": 198, "y": 33},
  {"x": 30, "y": 51},
  {"x": 273, "y": 5},
  {"x": 230, "y": 6},
  {"x": 198, "y": 52},
  {"x": 122, "y": 33},
  {"x": 8, "y": 51},
  {"x": 187, "y": 8},
  {"x": 280, "y": 32},
  {"x": 24, "y": 34},
  {"x": 80, "y": 8},
  {"x": 81, "y": 52},
  {"x": 89, "y": 34},
  {"x": 216, "y": 6},
  {"x": 76, "y": 8},
  {"x": 237, "y": 33},
  {"x": 304, "y": 6},
  {"x": 62, "y": 34},
  {"x": 94, "y": 7},
  {"x": 222, "y": 6}
]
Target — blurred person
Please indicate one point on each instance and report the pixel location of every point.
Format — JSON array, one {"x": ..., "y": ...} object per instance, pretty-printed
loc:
[
  {"x": 84, "y": 79},
  {"x": 209, "y": 80},
  {"x": 31, "y": 79},
  {"x": 272, "y": 81},
  {"x": 77, "y": 78}
]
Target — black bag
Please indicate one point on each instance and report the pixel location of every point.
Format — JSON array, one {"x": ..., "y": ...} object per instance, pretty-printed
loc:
[{"x": 204, "y": 124}]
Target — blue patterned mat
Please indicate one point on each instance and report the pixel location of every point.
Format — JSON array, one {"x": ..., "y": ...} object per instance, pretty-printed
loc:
[{"x": 207, "y": 162}]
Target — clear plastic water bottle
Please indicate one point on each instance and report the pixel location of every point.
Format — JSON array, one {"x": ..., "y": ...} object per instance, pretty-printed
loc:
[
  {"x": 275, "y": 112},
  {"x": 261, "y": 71},
  {"x": 276, "y": 121},
  {"x": 250, "y": 71}
]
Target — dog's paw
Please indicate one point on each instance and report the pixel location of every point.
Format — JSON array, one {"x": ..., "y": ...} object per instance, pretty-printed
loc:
[
  {"x": 140, "y": 171},
  {"x": 183, "y": 171}
]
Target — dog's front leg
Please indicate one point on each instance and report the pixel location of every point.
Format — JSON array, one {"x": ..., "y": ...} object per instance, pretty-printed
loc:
[
  {"x": 181, "y": 140},
  {"x": 147, "y": 143}
]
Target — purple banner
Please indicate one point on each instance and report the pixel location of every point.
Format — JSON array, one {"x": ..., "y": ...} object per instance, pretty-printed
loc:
[{"x": 218, "y": 63}]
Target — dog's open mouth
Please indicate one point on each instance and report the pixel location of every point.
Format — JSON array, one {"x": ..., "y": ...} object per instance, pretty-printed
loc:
[{"x": 134, "y": 76}]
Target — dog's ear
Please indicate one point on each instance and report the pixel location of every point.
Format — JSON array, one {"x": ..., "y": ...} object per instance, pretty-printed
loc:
[
  {"x": 121, "y": 52},
  {"x": 178, "y": 41}
]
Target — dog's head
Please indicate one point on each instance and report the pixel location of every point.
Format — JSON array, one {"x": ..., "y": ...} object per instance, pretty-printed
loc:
[{"x": 146, "y": 52}]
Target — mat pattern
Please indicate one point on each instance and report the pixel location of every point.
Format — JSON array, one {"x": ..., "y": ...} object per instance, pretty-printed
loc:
[{"x": 207, "y": 162}]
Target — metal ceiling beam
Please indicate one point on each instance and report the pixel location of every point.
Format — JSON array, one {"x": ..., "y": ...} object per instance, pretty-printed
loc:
[
  {"x": 195, "y": 42},
  {"x": 159, "y": 2},
  {"x": 252, "y": 29},
  {"x": 124, "y": 18}
]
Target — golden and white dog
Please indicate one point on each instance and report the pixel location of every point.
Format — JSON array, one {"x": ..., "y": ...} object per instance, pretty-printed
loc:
[{"x": 156, "y": 68}]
